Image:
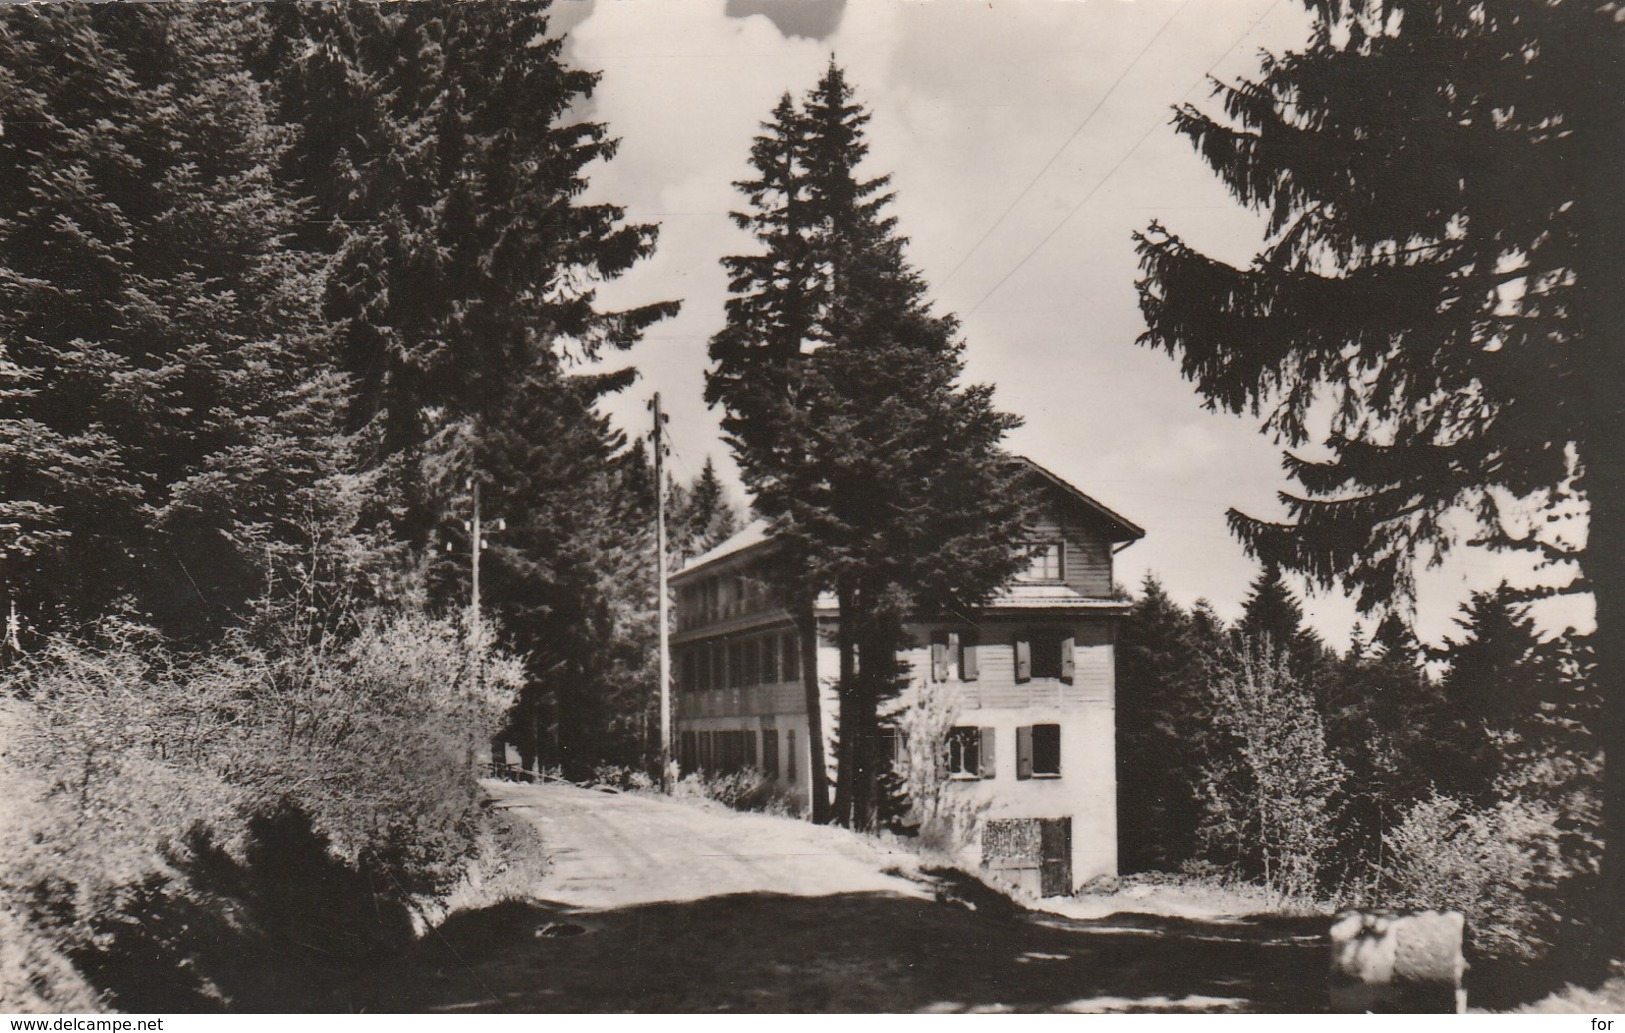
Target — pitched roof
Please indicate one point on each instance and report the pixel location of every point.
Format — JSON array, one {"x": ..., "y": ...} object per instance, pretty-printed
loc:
[
  {"x": 1123, "y": 529},
  {"x": 755, "y": 533},
  {"x": 748, "y": 537}
]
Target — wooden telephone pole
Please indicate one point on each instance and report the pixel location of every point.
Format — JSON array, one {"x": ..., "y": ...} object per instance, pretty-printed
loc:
[
  {"x": 476, "y": 631},
  {"x": 657, "y": 439}
]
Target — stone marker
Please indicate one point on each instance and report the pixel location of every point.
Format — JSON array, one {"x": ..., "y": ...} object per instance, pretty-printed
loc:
[{"x": 1397, "y": 961}]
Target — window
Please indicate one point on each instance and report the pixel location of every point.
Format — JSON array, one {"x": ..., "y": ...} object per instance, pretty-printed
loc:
[
  {"x": 970, "y": 752},
  {"x": 732, "y": 749},
  {"x": 1044, "y": 654},
  {"x": 790, "y": 755},
  {"x": 752, "y": 654},
  {"x": 956, "y": 649},
  {"x": 1047, "y": 563},
  {"x": 770, "y": 659},
  {"x": 788, "y": 658},
  {"x": 965, "y": 647},
  {"x": 685, "y": 681},
  {"x": 1038, "y": 751}
]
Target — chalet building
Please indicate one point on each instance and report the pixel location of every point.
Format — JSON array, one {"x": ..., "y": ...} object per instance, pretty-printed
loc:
[{"x": 1033, "y": 746}]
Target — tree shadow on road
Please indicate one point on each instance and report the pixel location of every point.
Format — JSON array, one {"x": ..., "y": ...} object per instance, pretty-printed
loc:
[{"x": 856, "y": 952}]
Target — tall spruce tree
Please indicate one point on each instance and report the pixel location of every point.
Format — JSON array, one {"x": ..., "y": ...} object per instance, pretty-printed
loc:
[
  {"x": 443, "y": 169},
  {"x": 444, "y": 175},
  {"x": 169, "y": 419},
  {"x": 880, "y": 474},
  {"x": 1162, "y": 673},
  {"x": 1444, "y": 279},
  {"x": 567, "y": 580},
  {"x": 1509, "y": 695},
  {"x": 705, "y": 516}
]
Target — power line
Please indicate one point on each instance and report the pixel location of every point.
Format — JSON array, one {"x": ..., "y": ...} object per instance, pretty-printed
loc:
[
  {"x": 1120, "y": 162},
  {"x": 1068, "y": 143}
]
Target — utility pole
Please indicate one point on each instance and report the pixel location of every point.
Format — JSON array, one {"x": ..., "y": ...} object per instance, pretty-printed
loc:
[
  {"x": 658, "y": 440},
  {"x": 13, "y": 625},
  {"x": 476, "y": 544}
]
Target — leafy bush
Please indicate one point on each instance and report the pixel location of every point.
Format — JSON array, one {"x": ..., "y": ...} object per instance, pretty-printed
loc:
[
  {"x": 172, "y": 813},
  {"x": 745, "y": 790},
  {"x": 35, "y": 976},
  {"x": 1490, "y": 863},
  {"x": 619, "y": 776}
]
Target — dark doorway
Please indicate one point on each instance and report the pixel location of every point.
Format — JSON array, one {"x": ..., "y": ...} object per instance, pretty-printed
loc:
[{"x": 1055, "y": 865}]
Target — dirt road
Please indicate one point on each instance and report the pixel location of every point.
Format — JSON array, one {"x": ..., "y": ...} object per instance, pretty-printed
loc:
[
  {"x": 653, "y": 905},
  {"x": 609, "y": 850}
]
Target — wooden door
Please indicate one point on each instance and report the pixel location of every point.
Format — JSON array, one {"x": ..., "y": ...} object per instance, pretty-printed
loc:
[{"x": 1055, "y": 857}]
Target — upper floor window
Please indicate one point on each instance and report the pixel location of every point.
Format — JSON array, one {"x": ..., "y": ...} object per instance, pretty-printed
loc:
[
  {"x": 790, "y": 653},
  {"x": 1048, "y": 563},
  {"x": 953, "y": 649},
  {"x": 1045, "y": 654}
]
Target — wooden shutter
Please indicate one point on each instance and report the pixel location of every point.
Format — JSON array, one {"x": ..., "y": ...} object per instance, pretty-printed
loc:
[
  {"x": 968, "y": 668},
  {"x": 986, "y": 763},
  {"x": 1024, "y": 751},
  {"x": 939, "y": 656},
  {"x": 1068, "y": 664},
  {"x": 1024, "y": 659}
]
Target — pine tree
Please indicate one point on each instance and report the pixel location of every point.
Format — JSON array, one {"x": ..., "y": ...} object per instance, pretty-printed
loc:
[
  {"x": 1162, "y": 673},
  {"x": 1509, "y": 696},
  {"x": 1384, "y": 720},
  {"x": 567, "y": 581},
  {"x": 443, "y": 169},
  {"x": 1272, "y": 613},
  {"x": 463, "y": 257},
  {"x": 705, "y": 515},
  {"x": 880, "y": 475},
  {"x": 169, "y": 417},
  {"x": 1443, "y": 277}
]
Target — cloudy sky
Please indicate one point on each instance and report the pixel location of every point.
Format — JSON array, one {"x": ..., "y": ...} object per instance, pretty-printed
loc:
[{"x": 1027, "y": 140}]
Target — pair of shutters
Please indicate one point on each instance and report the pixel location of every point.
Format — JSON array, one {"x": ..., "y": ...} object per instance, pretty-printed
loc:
[
  {"x": 948, "y": 646},
  {"x": 1038, "y": 751},
  {"x": 1024, "y": 656}
]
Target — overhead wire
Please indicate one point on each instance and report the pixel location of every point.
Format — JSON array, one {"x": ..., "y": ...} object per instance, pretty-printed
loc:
[
  {"x": 1076, "y": 132},
  {"x": 1114, "y": 169}
]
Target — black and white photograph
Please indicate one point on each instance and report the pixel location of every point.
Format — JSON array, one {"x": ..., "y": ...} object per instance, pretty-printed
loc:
[{"x": 811, "y": 506}]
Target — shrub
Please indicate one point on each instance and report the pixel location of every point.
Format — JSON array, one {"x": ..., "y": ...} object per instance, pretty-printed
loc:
[
  {"x": 175, "y": 815},
  {"x": 619, "y": 776},
  {"x": 35, "y": 976},
  {"x": 1489, "y": 863},
  {"x": 745, "y": 790},
  {"x": 377, "y": 738}
]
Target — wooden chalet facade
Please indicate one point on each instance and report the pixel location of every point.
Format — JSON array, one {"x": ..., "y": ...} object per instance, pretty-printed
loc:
[{"x": 1033, "y": 747}]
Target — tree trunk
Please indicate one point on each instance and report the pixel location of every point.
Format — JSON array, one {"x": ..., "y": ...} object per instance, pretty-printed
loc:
[
  {"x": 845, "y": 732},
  {"x": 1600, "y": 146},
  {"x": 818, "y": 780},
  {"x": 1605, "y": 568}
]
